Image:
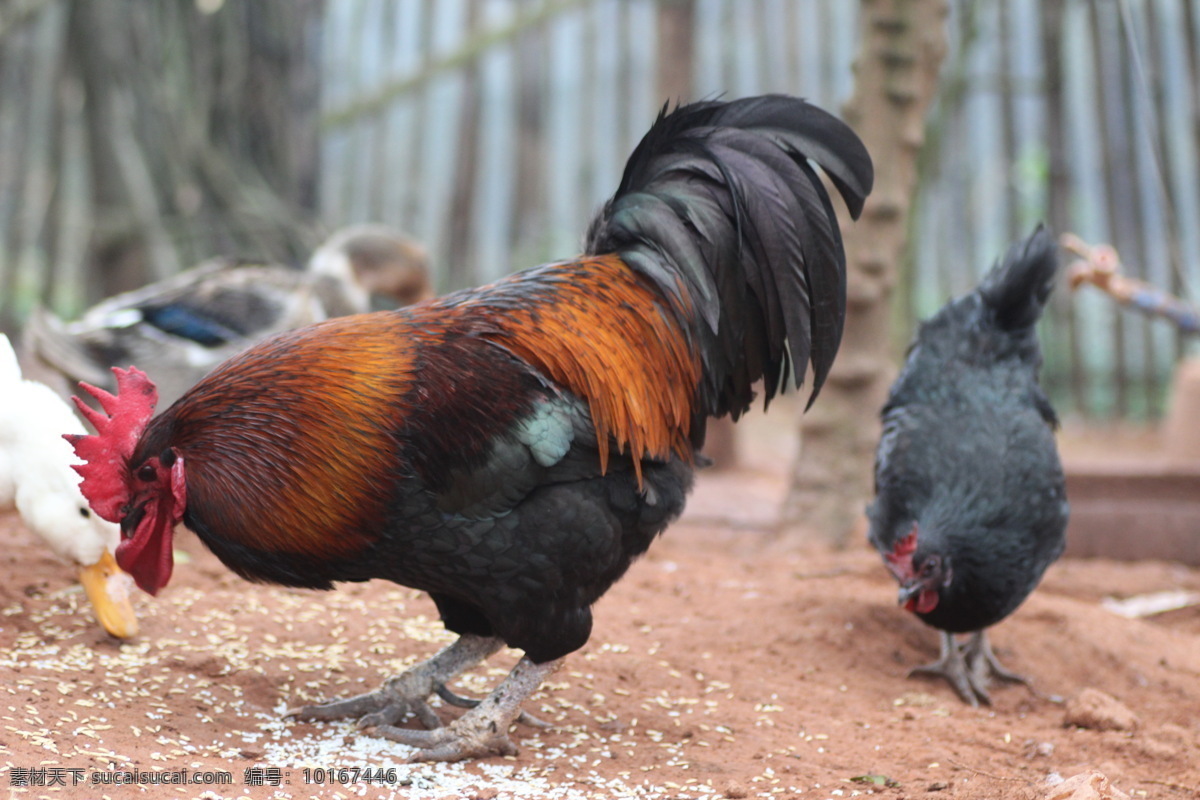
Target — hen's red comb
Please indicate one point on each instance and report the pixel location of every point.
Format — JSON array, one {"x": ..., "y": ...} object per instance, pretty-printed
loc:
[
  {"x": 106, "y": 455},
  {"x": 904, "y": 548}
]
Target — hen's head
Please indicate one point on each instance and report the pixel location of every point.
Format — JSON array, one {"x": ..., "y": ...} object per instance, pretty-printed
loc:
[
  {"x": 147, "y": 499},
  {"x": 921, "y": 575}
]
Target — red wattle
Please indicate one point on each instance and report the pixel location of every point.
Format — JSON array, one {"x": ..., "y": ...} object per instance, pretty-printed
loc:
[
  {"x": 926, "y": 601},
  {"x": 148, "y": 556}
]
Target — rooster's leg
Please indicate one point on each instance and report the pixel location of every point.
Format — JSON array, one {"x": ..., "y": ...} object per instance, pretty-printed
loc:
[
  {"x": 406, "y": 694},
  {"x": 458, "y": 701},
  {"x": 482, "y": 731},
  {"x": 952, "y": 666},
  {"x": 983, "y": 661}
]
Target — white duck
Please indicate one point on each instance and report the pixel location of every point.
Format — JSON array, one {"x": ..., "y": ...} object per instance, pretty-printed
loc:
[{"x": 37, "y": 480}]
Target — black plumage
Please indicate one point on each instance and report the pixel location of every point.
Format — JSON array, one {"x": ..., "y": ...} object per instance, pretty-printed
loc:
[
  {"x": 970, "y": 504},
  {"x": 696, "y": 206}
]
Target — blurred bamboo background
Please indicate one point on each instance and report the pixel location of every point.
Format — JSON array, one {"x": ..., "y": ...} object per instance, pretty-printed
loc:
[{"x": 137, "y": 139}]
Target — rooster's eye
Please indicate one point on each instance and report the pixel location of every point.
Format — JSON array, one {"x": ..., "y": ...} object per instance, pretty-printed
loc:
[
  {"x": 85, "y": 513},
  {"x": 146, "y": 473}
]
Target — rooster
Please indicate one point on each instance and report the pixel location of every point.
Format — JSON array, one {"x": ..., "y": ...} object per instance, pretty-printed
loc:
[
  {"x": 508, "y": 449},
  {"x": 970, "y": 504}
]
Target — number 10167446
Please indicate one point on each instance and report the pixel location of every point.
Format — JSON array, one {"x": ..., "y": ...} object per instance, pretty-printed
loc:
[{"x": 350, "y": 775}]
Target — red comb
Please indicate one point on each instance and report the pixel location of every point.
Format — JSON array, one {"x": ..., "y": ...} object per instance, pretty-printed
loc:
[
  {"x": 903, "y": 548},
  {"x": 106, "y": 455}
]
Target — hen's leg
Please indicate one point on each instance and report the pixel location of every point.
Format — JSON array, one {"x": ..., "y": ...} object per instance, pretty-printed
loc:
[
  {"x": 406, "y": 694},
  {"x": 952, "y": 666},
  {"x": 983, "y": 661},
  {"x": 483, "y": 730}
]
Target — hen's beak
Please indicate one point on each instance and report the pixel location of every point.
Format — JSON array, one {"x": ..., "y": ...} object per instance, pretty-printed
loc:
[
  {"x": 107, "y": 587},
  {"x": 908, "y": 592}
]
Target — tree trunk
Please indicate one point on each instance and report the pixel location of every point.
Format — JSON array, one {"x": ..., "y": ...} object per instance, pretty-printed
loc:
[{"x": 903, "y": 44}]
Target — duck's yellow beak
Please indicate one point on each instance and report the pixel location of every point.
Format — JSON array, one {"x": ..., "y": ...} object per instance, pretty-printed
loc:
[{"x": 108, "y": 589}]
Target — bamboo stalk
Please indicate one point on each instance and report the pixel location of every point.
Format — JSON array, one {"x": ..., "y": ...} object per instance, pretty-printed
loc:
[
  {"x": 1113, "y": 144},
  {"x": 469, "y": 51},
  {"x": 1170, "y": 200},
  {"x": 1063, "y": 314},
  {"x": 462, "y": 200},
  {"x": 528, "y": 208},
  {"x": 1147, "y": 378},
  {"x": 417, "y": 168},
  {"x": 1008, "y": 124}
]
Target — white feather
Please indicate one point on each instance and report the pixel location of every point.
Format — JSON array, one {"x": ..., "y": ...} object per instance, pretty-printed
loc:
[{"x": 35, "y": 467}]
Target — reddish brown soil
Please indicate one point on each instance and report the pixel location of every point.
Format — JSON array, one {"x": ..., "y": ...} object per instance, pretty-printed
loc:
[{"x": 728, "y": 663}]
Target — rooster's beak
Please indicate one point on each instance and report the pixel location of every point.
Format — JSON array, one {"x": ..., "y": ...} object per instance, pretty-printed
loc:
[{"x": 107, "y": 587}]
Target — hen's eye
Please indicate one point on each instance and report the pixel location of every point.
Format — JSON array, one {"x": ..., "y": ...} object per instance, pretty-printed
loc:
[
  {"x": 85, "y": 513},
  {"x": 146, "y": 473}
]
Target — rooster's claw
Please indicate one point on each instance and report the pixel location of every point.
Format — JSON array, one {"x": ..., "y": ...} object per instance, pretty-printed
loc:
[
  {"x": 483, "y": 730},
  {"x": 406, "y": 694},
  {"x": 385, "y": 706},
  {"x": 457, "y": 741},
  {"x": 457, "y": 700}
]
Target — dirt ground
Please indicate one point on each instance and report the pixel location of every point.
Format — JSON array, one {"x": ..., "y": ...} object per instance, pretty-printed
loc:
[{"x": 727, "y": 664}]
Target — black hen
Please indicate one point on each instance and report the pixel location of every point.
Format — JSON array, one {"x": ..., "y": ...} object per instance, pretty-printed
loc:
[{"x": 970, "y": 503}]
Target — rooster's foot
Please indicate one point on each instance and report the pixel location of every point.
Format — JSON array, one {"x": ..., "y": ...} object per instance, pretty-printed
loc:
[
  {"x": 391, "y": 703},
  {"x": 483, "y": 730},
  {"x": 454, "y": 742},
  {"x": 406, "y": 694},
  {"x": 952, "y": 667},
  {"x": 457, "y": 700}
]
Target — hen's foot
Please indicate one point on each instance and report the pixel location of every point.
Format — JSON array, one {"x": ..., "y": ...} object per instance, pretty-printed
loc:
[
  {"x": 985, "y": 665},
  {"x": 483, "y": 730},
  {"x": 406, "y": 694},
  {"x": 952, "y": 667}
]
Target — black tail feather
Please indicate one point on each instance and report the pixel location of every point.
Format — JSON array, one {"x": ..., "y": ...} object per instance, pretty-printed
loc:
[
  {"x": 720, "y": 208},
  {"x": 1016, "y": 289}
]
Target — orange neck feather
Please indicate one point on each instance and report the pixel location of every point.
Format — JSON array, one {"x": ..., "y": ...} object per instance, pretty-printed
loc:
[
  {"x": 325, "y": 423},
  {"x": 596, "y": 328}
]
